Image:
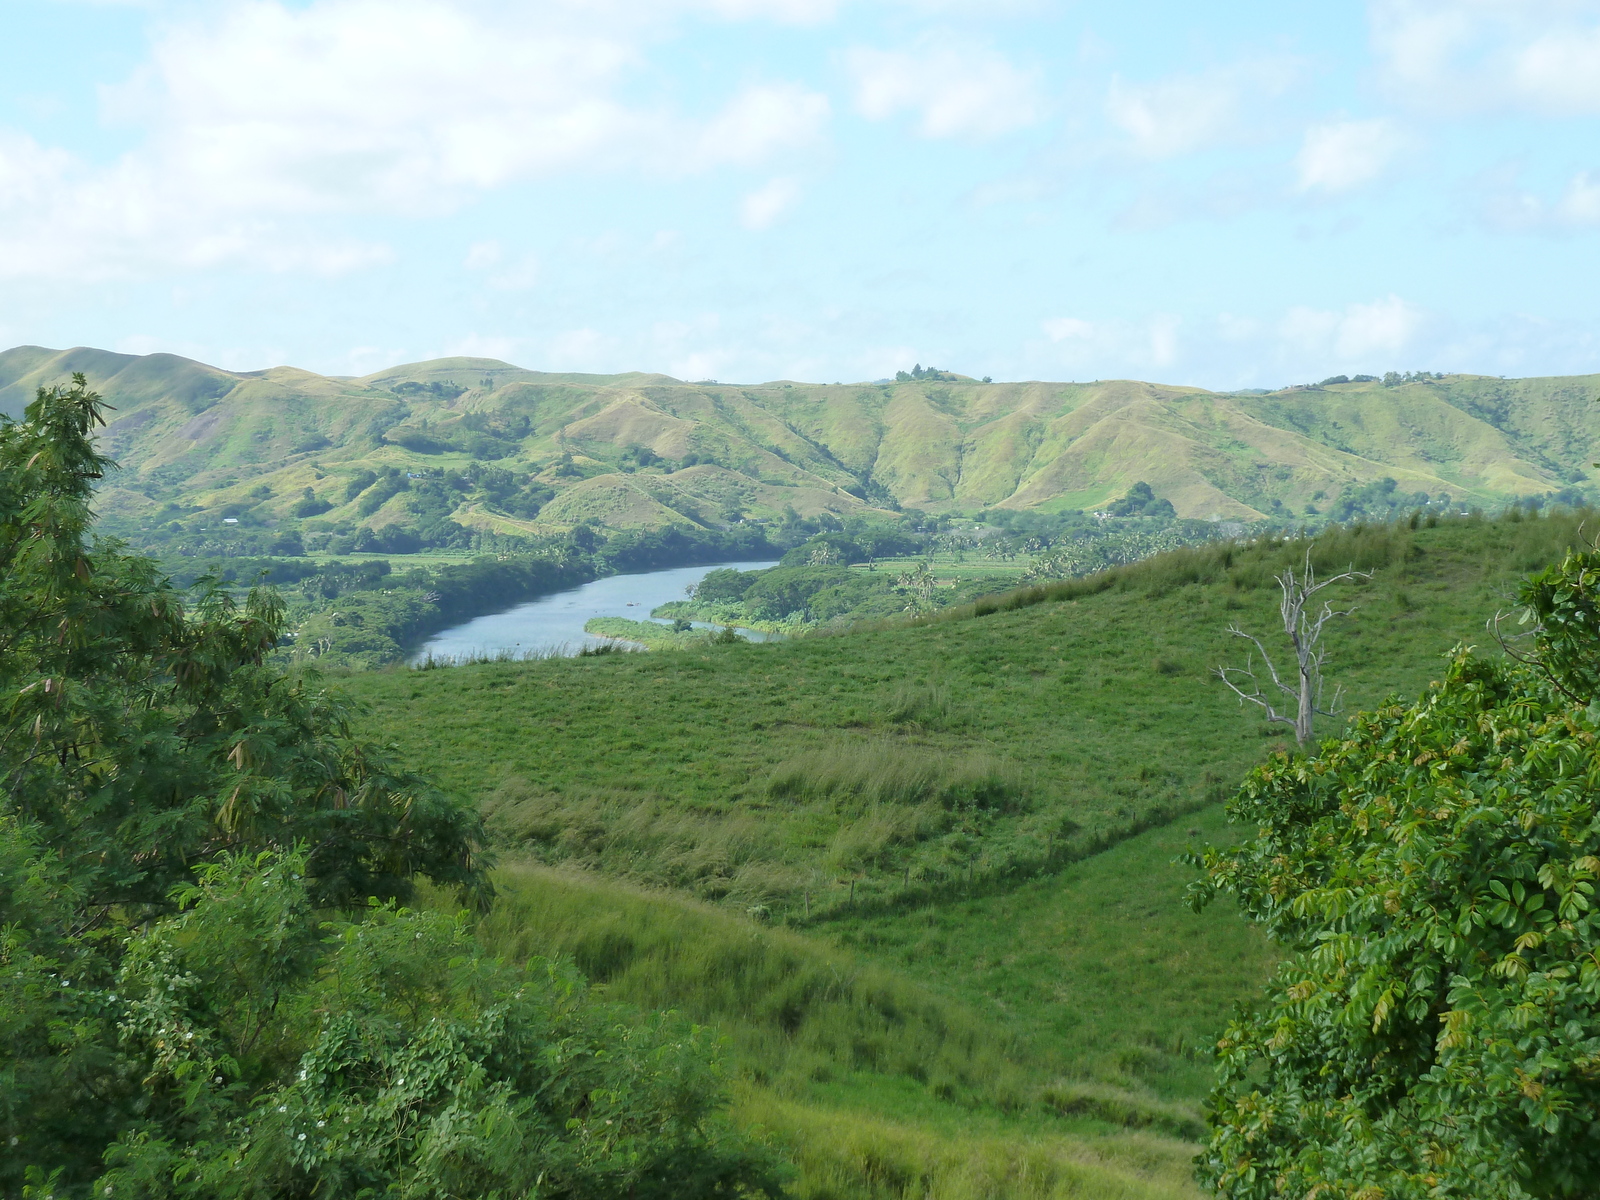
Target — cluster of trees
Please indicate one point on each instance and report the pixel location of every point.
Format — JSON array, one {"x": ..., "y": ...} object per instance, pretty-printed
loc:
[
  {"x": 1390, "y": 378},
  {"x": 447, "y": 390},
  {"x": 929, "y": 373},
  {"x": 792, "y": 598},
  {"x": 211, "y": 985},
  {"x": 1100, "y": 549},
  {"x": 1141, "y": 501}
]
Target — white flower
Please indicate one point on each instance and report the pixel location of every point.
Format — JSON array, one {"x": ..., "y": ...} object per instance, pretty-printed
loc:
[
  {"x": 320, "y": 1124},
  {"x": 302, "y": 1137}
]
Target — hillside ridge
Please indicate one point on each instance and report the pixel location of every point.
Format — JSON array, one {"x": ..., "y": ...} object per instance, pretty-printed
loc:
[{"x": 645, "y": 450}]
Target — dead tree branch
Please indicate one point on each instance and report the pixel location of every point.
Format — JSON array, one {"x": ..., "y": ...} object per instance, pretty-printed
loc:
[{"x": 1304, "y": 624}]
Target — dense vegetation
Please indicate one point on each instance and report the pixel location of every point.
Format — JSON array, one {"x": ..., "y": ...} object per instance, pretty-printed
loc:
[
  {"x": 1435, "y": 1029},
  {"x": 210, "y": 987}
]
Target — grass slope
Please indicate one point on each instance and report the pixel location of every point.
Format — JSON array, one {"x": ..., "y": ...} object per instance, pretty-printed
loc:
[
  {"x": 1027, "y": 1018},
  {"x": 891, "y": 765},
  {"x": 204, "y": 439}
]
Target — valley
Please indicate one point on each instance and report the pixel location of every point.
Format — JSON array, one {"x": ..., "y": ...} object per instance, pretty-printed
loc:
[{"x": 923, "y": 876}]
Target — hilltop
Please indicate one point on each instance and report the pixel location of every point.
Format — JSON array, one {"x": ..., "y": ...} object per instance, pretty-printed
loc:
[{"x": 474, "y": 443}]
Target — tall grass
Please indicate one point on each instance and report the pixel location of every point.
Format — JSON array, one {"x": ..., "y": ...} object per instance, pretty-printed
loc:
[
  {"x": 506, "y": 654},
  {"x": 797, "y": 1012},
  {"x": 826, "y": 1045},
  {"x": 852, "y": 1154},
  {"x": 884, "y": 815}
]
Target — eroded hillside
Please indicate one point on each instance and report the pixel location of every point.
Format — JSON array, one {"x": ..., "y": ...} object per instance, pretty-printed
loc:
[{"x": 646, "y": 451}]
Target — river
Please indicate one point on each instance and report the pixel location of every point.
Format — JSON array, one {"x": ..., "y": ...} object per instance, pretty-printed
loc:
[{"x": 553, "y": 624}]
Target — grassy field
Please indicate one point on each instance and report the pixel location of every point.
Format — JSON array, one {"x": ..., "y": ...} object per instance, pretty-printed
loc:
[
  {"x": 893, "y": 764},
  {"x": 922, "y": 875}
]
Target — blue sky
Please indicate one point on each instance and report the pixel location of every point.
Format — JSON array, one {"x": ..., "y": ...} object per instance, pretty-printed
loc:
[{"x": 1237, "y": 195}]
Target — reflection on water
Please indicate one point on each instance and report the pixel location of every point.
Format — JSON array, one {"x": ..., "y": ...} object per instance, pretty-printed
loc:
[{"x": 554, "y": 624}]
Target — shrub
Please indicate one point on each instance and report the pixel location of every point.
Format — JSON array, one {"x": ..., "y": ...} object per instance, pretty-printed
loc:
[{"x": 1436, "y": 1027}]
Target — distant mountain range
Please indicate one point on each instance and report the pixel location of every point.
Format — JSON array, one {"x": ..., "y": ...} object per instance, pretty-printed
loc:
[{"x": 647, "y": 451}]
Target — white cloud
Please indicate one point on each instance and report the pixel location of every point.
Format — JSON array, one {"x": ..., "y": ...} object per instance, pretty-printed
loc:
[
  {"x": 696, "y": 366},
  {"x": 1580, "y": 203},
  {"x": 759, "y": 121},
  {"x": 1063, "y": 329},
  {"x": 1185, "y": 113},
  {"x": 1560, "y": 73},
  {"x": 766, "y": 204},
  {"x": 1476, "y": 55},
  {"x": 1144, "y": 346},
  {"x": 1163, "y": 339},
  {"x": 580, "y": 350},
  {"x": 263, "y": 120},
  {"x": 478, "y": 345},
  {"x": 1340, "y": 155},
  {"x": 1577, "y": 208},
  {"x": 1380, "y": 329},
  {"x": 503, "y": 272},
  {"x": 483, "y": 255},
  {"x": 788, "y": 12},
  {"x": 955, "y": 89}
]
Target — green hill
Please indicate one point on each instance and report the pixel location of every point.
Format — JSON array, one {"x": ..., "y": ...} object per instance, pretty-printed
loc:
[
  {"x": 922, "y": 875},
  {"x": 288, "y": 449}
]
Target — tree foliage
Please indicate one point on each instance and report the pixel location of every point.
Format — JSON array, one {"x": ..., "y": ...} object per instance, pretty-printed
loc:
[
  {"x": 208, "y": 986},
  {"x": 144, "y": 733},
  {"x": 1435, "y": 1027}
]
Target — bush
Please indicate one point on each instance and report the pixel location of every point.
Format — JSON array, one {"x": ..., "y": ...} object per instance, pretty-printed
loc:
[
  {"x": 185, "y": 1012},
  {"x": 1435, "y": 1029}
]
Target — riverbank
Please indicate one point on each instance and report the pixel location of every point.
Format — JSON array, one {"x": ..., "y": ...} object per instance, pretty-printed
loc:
[
  {"x": 563, "y": 623},
  {"x": 375, "y": 613},
  {"x": 650, "y": 634}
]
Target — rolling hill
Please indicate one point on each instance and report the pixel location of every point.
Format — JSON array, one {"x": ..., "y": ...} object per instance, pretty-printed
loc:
[
  {"x": 923, "y": 874},
  {"x": 639, "y": 450}
]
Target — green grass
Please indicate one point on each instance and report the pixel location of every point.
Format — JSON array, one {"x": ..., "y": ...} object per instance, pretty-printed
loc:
[
  {"x": 726, "y": 771},
  {"x": 650, "y": 634},
  {"x": 922, "y": 875},
  {"x": 879, "y": 1081},
  {"x": 1101, "y": 968}
]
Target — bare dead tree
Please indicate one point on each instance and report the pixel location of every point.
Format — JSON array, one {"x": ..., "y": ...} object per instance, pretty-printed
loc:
[{"x": 1305, "y": 636}]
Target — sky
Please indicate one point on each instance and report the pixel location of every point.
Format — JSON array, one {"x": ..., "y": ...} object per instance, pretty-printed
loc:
[{"x": 1234, "y": 195}]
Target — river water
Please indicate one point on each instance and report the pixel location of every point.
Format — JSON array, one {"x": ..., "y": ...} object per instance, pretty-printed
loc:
[{"x": 553, "y": 624}]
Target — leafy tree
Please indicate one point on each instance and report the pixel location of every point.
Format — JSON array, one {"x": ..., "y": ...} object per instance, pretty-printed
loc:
[
  {"x": 1435, "y": 1028},
  {"x": 183, "y": 1010},
  {"x": 1141, "y": 501}
]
